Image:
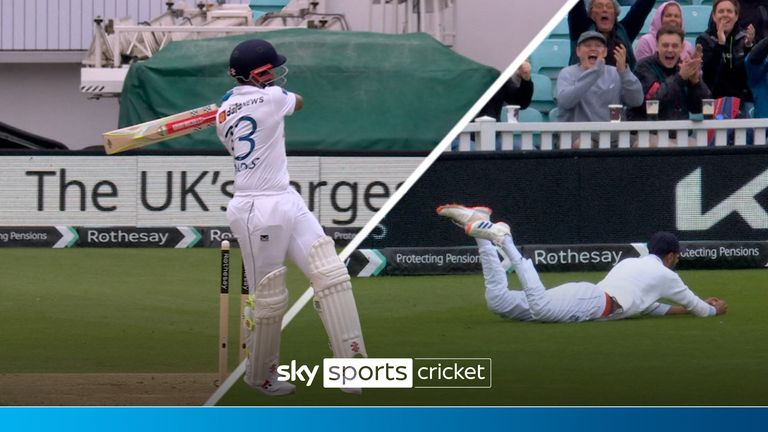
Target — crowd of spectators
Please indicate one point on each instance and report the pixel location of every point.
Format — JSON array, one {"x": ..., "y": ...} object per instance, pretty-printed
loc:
[{"x": 612, "y": 63}]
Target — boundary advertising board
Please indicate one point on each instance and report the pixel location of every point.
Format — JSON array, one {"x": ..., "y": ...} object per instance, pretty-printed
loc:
[{"x": 153, "y": 191}]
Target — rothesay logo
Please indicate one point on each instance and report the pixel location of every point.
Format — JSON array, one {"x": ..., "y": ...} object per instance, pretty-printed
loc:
[{"x": 690, "y": 215}]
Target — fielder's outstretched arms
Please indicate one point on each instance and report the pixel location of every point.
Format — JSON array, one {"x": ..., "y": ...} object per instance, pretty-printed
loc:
[
  {"x": 271, "y": 221},
  {"x": 633, "y": 287}
]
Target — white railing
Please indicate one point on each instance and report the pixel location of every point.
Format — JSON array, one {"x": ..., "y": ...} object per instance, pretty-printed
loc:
[{"x": 485, "y": 134}]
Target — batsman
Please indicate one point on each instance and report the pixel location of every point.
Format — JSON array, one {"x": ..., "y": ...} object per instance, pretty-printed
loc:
[{"x": 271, "y": 221}]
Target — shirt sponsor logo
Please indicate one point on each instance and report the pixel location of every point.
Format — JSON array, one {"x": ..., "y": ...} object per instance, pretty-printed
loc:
[{"x": 237, "y": 106}]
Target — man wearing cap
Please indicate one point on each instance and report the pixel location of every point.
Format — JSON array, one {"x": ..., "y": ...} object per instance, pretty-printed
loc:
[
  {"x": 585, "y": 90},
  {"x": 603, "y": 16},
  {"x": 633, "y": 287}
]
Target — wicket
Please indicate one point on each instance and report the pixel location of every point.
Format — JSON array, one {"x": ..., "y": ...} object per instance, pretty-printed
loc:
[
  {"x": 224, "y": 312},
  {"x": 243, "y": 299}
]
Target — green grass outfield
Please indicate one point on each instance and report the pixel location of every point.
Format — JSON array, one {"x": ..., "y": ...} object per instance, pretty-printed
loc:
[{"x": 156, "y": 310}]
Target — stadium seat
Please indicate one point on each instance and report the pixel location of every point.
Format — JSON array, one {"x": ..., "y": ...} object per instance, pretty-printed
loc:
[
  {"x": 553, "y": 114},
  {"x": 543, "y": 100},
  {"x": 623, "y": 12},
  {"x": 646, "y": 26},
  {"x": 531, "y": 115},
  {"x": 528, "y": 115},
  {"x": 551, "y": 56},
  {"x": 695, "y": 19},
  {"x": 560, "y": 31}
]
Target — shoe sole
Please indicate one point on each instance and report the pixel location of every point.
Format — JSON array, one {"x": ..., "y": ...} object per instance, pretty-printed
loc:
[{"x": 480, "y": 209}]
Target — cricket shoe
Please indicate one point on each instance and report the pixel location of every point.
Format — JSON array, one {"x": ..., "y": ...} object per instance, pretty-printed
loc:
[
  {"x": 461, "y": 215},
  {"x": 273, "y": 387},
  {"x": 484, "y": 229}
]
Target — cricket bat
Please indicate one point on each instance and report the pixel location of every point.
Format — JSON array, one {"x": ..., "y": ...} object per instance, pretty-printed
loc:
[{"x": 162, "y": 129}]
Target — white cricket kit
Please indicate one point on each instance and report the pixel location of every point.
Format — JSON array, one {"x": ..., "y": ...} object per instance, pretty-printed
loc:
[
  {"x": 636, "y": 283},
  {"x": 250, "y": 124},
  {"x": 570, "y": 302},
  {"x": 269, "y": 218},
  {"x": 574, "y": 301},
  {"x": 272, "y": 222}
]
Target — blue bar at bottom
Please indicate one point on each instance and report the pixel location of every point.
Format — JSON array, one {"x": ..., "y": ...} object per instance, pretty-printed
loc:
[{"x": 381, "y": 419}]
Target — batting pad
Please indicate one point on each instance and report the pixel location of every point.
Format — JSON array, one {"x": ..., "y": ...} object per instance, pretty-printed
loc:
[
  {"x": 262, "y": 318},
  {"x": 334, "y": 300}
]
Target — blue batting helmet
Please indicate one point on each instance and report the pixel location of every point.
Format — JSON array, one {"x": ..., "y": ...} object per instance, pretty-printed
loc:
[{"x": 253, "y": 60}]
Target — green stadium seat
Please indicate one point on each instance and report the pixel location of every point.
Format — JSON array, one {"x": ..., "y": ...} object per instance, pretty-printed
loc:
[
  {"x": 561, "y": 30},
  {"x": 542, "y": 93},
  {"x": 646, "y": 26},
  {"x": 553, "y": 114},
  {"x": 551, "y": 56},
  {"x": 531, "y": 115},
  {"x": 623, "y": 11},
  {"x": 528, "y": 115},
  {"x": 695, "y": 19}
]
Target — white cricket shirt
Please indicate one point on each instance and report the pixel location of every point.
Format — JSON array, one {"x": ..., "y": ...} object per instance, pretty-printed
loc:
[
  {"x": 637, "y": 283},
  {"x": 250, "y": 124}
]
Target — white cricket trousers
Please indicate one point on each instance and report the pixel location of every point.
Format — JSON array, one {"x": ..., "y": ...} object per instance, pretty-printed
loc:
[
  {"x": 270, "y": 228},
  {"x": 570, "y": 302}
]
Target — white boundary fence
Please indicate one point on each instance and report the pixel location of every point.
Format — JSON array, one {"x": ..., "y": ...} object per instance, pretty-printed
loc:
[{"x": 482, "y": 134}]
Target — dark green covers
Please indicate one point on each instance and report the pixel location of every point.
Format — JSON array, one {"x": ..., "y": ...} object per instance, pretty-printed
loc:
[{"x": 361, "y": 90}]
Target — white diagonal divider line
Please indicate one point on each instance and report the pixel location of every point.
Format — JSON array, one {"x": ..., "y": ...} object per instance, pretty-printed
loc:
[
  {"x": 415, "y": 175},
  {"x": 641, "y": 248}
]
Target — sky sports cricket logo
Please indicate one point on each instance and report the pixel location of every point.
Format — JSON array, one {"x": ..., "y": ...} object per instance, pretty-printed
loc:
[{"x": 393, "y": 373}]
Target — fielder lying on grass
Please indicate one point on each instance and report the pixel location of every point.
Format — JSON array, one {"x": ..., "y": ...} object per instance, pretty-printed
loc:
[{"x": 633, "y": 287}]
